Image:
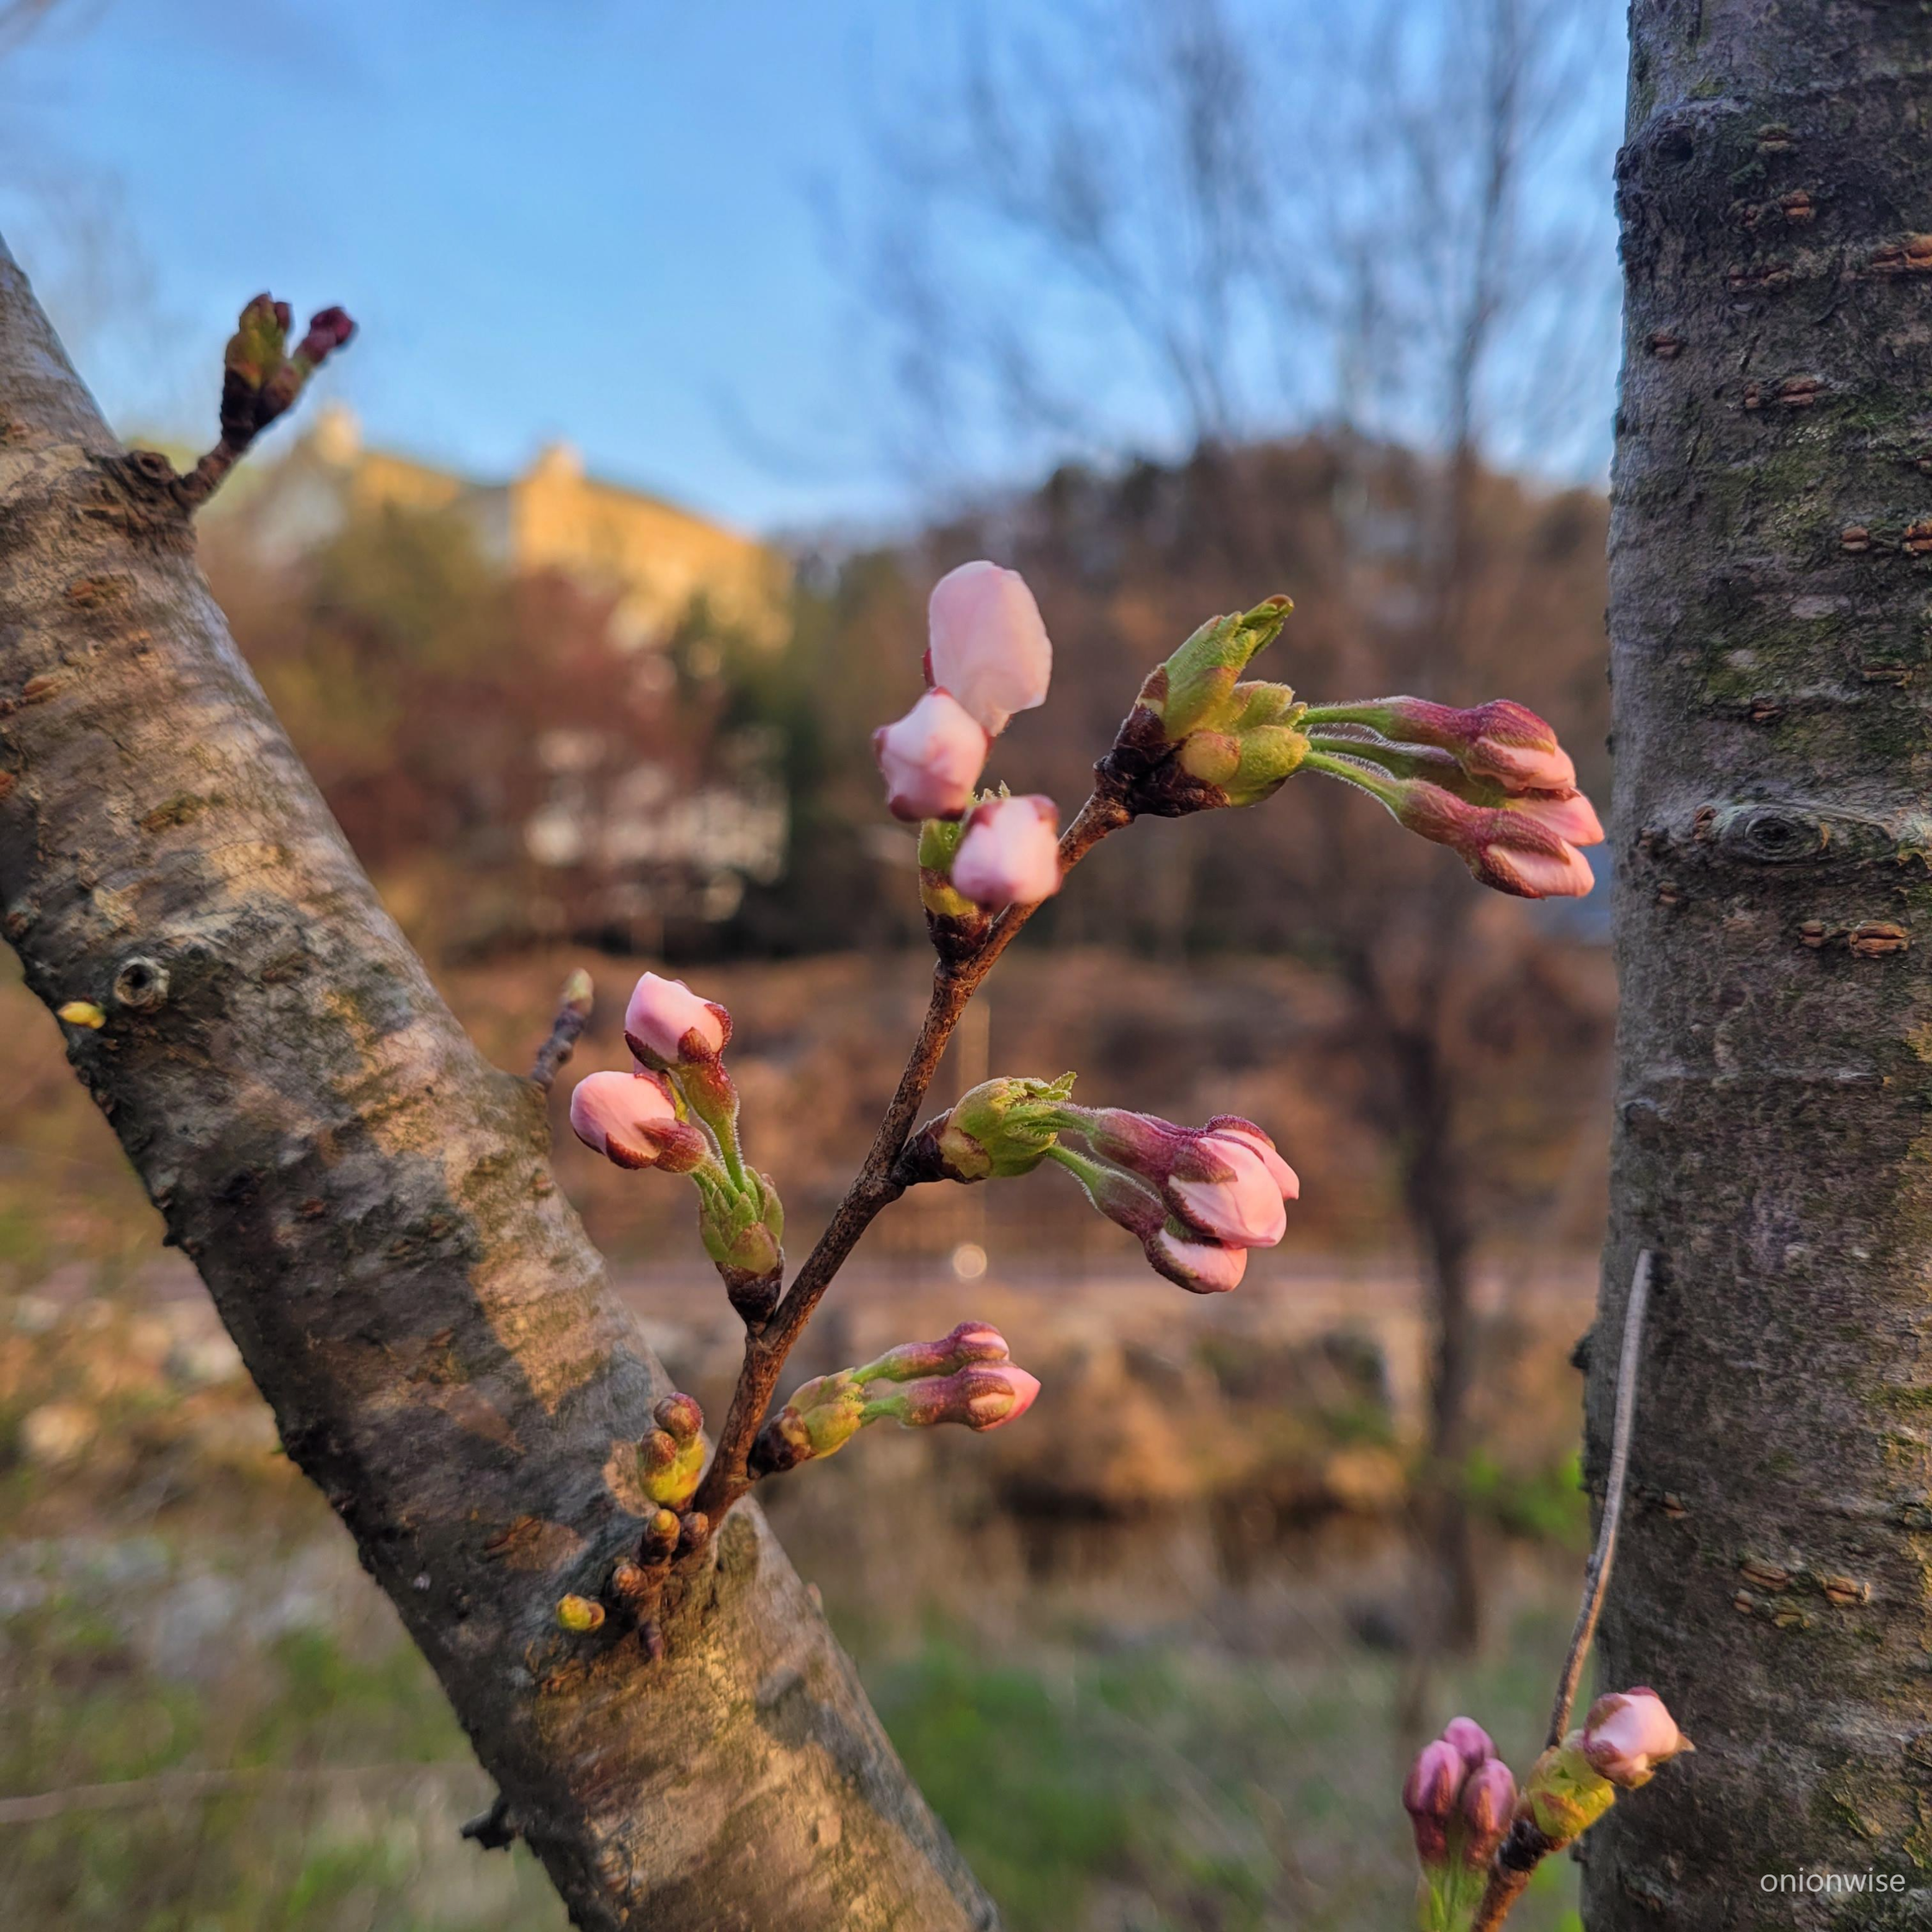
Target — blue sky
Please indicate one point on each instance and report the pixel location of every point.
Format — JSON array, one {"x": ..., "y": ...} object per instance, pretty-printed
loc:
[{"x": 588, "y": 219}]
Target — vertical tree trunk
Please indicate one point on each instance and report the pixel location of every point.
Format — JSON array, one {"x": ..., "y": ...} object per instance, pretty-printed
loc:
[
  {"x": 1771, "y": 652},
  {"x": 371, "y": 1205}
]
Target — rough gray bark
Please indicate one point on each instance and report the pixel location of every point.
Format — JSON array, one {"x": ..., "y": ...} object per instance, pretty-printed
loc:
[
  {"x": 371, "y": 1208},
  {"x": 1772, "y": 654}
]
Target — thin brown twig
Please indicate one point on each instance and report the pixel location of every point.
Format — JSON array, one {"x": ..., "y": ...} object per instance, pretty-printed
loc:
[
  {"x": 573, "y": 1015},
  {"x": 192, "y": 491},
  {"x": 1525, "y": 1846},
  {"x": 178, "y": 1787},
  {"x": 1596, "y": 1576},
  {"x": 875, "y": 1187}
]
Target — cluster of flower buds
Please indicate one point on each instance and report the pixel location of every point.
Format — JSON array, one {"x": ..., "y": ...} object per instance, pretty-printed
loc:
[
  {"x": 1624, "y": 1737},
  {"x": 1199, "y": 736},
  {"x": 260, "y": 379},
  {"x": 989, "y": 656},
  {"x": 1491, "y": 782},
  {"x": 1460, "y": 1798},
  {"x": 1466, "y": 1809},
  {"x": 1197, "y": 1199},
  {"x": 679, "y": 1110},
  {"x": 965, "y": 1377},
  {"x": 670, "y": 1457}
]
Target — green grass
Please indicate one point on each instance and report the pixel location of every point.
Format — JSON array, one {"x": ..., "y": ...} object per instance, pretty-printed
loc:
[{"x": 1172, "y": 1787}]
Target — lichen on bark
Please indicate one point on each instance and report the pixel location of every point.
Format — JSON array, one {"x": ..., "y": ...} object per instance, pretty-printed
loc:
[{"x": 371, "y": 1205}]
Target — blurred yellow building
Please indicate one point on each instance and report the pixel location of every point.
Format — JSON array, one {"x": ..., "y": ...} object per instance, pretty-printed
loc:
[{"x": 658, "y": 561}]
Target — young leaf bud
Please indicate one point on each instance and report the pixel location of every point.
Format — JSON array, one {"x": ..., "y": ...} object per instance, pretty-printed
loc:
[
  {"x": 742, "y": 1230},
  {"x": 1563, "y": 1795},
  {"x": 670, "y": 1458},
  {"x": 1001, "y": 1128},
  {"x": 1201, "y": 676},
  {"x": 659, "y": 1539},
  {"x": 955, "y": 925},
  {"x": 819, "y": 1419},
  {"x": 678, "y": 1415}
]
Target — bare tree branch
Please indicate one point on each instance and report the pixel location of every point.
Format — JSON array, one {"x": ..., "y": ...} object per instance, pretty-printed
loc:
[{"x": 371, "y": 1208}]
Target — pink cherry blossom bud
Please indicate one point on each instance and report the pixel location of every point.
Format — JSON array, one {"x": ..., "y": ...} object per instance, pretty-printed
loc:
[
  {"x": 1123, "y": 1197},
  {"x": 328, "y": 328},
  {"x": 1225, "y": 1180},
  {"x": 1145, "y": 1144},
  {"x": 1489, "y": 1796},
  {"x": 1010, "y": 854},
  {"x": 629, "y": 1119},
  {"x": 1284, "y": 1176},
  {"x": 970, "y": 1342},
  {"x": 1628, "y": 1733},
  {"x": 988, "y": 646},
  {"x": 1223, "y": 1186},
  {"x": 1502, "y": 740},
  {"x": 931, "y": 758},
  {"x": 1429, "y": 1796},
  {"x": 1529, "y": 873},
  {"x": 1504, "y": 847},
  {"x": 1471, "y": 1739},
  {"x": 1569, "y": 815},
  {"x": 987, "y": 1395},
  {"x": 666, "y": 1025},
  {"x": 1200, "y": 1265}
]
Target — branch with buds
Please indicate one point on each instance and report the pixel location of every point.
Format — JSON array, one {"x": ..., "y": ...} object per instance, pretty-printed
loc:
[
  {"x": 261, "y": 378},
  {"x": 1491, "y": 783}
]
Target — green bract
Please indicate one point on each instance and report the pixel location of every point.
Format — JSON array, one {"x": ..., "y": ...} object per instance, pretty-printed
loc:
[
  {"x": 1200, "y": 675},
  {"x": 1563, "y": 1795},
  {"x": 1002, "y": 1128},
  {"x": 255, "y": 350}
]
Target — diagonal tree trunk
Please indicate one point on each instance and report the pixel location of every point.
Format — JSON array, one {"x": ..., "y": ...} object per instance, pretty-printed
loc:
[
  {"x": 371, "y": 1208},
  {"x": 1771, "y": 650}
]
